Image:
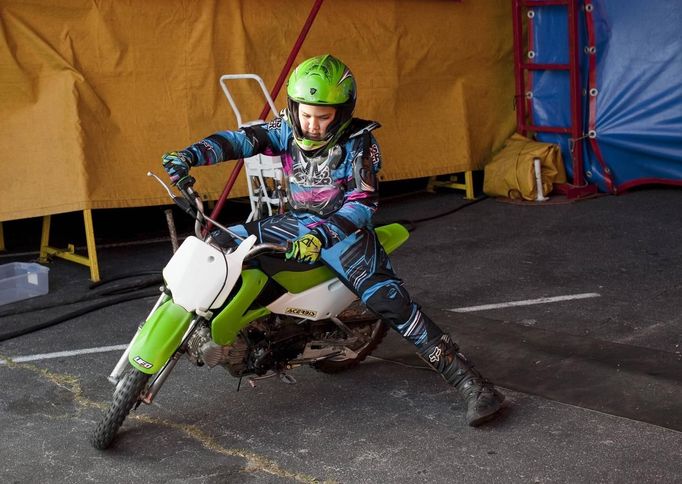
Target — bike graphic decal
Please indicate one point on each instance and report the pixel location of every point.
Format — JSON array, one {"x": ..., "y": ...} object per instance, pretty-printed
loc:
[
  {"x": 301, "y": 312},
  {"x": 142, "y": 363}
]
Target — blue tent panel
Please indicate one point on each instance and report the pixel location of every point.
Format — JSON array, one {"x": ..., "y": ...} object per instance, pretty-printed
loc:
[{"x": 638, "y": 115}]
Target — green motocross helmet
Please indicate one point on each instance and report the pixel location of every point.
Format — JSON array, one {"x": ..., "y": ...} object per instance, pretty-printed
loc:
[{"x": 321, "y": 81}]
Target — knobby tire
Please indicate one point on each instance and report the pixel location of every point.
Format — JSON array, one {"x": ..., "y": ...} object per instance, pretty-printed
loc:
[{"x": 126, "y": 395}]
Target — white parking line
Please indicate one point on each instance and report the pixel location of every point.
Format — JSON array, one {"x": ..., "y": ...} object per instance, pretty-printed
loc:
[
  {"x": 527, "y": 302},
  {"x": 62, "y": 354}
]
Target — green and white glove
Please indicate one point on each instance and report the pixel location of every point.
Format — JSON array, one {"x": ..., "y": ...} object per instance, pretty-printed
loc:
[{"x": 306, "y": 248}]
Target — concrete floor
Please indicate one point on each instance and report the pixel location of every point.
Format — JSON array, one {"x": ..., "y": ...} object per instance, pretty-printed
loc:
[{"x": 391, "y": 420}]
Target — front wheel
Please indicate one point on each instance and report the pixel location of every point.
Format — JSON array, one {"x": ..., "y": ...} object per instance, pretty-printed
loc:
[{"x": 127, "y": 394}]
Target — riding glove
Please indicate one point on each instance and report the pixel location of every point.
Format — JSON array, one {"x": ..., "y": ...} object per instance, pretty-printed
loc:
[
  {"x": 176, "y": 164},
  {"x": 306, "y": 248}
]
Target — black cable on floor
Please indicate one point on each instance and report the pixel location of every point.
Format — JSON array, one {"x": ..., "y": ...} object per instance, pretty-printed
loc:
[
  {"x": 456, "y": 209},
  {"x": 96, "y": 294},
  {"x": 118, "y": 277},
  {"x": 411, "y": 225},
  {"x": 79, "y": 312}
]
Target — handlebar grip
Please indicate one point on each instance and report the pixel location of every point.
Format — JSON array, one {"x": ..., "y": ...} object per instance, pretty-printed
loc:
[{"x": 185, "y": 183}]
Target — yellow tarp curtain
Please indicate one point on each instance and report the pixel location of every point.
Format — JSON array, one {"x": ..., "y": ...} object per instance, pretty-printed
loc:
[{"x": 93, "y": 92}]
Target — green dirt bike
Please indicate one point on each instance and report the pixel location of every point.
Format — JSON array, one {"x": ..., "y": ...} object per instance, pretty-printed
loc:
[{"x": 245, "y": 309}]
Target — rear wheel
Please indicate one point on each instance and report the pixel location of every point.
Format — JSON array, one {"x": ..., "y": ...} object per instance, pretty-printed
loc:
[
  {"x": 369, "y": 333},
  {"x": 127, "y": 394}
]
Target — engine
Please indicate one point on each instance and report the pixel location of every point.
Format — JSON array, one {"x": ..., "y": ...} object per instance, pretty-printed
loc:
[
  {"x": 264, "y": 345},
  {"x": 202, "y": 350}
]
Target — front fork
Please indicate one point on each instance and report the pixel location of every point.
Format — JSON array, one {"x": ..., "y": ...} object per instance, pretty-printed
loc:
[
  {"x": 162, "y": 375},
  {"x": 160, "y": 378}
]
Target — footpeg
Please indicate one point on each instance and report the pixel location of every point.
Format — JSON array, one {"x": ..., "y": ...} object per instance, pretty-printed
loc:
[
  {"x": 283, "y": 377},
  {"x": 286, "y": 378}
]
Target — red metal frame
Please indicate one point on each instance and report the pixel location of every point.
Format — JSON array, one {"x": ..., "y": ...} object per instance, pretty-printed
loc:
[
  {"x": 522, "y": 67},
  {"x": 266, "y": 109},
  {"x": 592, "y": 96}
]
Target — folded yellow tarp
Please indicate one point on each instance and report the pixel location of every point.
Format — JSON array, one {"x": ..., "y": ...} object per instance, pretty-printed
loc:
[
  {"x": 92, "y": 93},
  {"x": 511, "y": 173}
]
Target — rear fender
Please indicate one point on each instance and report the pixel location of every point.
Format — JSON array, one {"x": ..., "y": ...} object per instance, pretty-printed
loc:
[
  {"x": 392, "y": 236},
  {"x": 159, "y": 337}
]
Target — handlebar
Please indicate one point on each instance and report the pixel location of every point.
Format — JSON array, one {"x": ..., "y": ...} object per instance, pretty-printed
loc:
[
  {"x": 265, "y": 247},
  {"x": 192, "y": 204},
  {"x": 185, "y": 185}
]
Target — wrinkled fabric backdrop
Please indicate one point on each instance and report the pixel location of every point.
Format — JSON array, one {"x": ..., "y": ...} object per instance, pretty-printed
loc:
[{"x": 93, "y": 92}]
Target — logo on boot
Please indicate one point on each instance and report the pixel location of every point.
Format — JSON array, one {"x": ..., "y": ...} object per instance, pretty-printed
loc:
[{"x": 434, "y": 357}]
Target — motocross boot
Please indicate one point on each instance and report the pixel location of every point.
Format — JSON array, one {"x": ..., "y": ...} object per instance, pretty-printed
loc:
[{"x": 483, "y": 401}]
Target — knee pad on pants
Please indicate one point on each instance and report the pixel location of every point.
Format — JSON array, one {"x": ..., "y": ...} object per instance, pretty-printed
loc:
[{"x": 392, "y": 303}]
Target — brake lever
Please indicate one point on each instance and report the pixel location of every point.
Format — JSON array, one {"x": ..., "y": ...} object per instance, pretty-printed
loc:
[
  {"x": 170, "y": 193},
  {"x": 182, "y": 202}
]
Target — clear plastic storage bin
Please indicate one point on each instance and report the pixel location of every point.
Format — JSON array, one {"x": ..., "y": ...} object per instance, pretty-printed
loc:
[{"x": 21, "y": 280}]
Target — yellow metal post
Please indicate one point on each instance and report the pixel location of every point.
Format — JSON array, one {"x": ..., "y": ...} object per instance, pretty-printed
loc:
[
  {"x": 92, "y": 249},
  {"x": 70, "y": 252},
  {"x": 453, "y": 182},
  {"x": 469, "y": 183},
  {"x": 45, "y": 238}
]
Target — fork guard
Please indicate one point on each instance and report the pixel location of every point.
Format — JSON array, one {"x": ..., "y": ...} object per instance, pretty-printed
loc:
[{"x": 159, "y": 338}]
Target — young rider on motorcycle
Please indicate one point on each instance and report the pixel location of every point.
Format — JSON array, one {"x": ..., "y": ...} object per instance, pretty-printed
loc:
[{"x": 330, "y": 164}]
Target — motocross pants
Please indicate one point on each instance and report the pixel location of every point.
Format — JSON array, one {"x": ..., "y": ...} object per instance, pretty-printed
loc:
[{"x": 363, "y": 266}]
